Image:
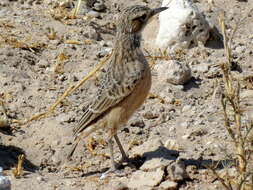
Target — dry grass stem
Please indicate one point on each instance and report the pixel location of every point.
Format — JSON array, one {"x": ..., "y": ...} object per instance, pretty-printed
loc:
[
  {"x": 18, "y": 171},
  {"x": 77, "y": 8},
  {"x": 240, "y": 133}
]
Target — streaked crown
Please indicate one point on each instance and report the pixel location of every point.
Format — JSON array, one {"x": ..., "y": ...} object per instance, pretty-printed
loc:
[{"x": 133, "y": 19}]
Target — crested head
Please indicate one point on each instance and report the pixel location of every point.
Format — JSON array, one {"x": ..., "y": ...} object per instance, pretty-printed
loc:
[{"x": 133, "y": 19}]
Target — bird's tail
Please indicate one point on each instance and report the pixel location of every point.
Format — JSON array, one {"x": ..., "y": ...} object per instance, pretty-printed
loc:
[
  {"x": 73, "y": 148},
  {"x": 83, "y": 135}
]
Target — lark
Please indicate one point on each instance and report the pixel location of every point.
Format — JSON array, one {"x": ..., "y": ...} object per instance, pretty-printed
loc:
[{"x": 123, "y": 86}]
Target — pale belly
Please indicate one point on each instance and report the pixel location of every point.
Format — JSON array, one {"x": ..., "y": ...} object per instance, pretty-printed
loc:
[{"x": 120, "y": 114}]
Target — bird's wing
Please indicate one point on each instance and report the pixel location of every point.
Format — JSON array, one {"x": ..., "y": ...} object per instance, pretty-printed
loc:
[{"x": 115, "y": 90}]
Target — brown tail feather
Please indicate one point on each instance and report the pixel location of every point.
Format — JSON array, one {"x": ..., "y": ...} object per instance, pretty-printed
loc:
[
  {"x": 73, "y": 148},
  {"x": 84, "y": 134}
]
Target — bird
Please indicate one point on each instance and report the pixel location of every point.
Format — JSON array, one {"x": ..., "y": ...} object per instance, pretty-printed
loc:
[{"x": 124, "y": 85}]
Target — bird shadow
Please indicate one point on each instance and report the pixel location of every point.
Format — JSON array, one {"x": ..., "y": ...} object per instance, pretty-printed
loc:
[
  {"x": 173, "y": 155},
  {"x": 9, "y": 158},
  {"x": 166, "y": 154}
]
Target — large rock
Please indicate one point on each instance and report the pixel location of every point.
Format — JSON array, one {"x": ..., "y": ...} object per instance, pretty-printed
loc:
[
  {"x": 142, "y": 179},
  {"x": 155, "y": 154},
  {"x": 173, "y": 72},
  {"x": 155, "y": 163},
  {"x": 181, "y": 25}
]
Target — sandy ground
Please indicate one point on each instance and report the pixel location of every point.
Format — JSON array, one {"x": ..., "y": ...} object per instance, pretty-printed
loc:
[{"x": 40, "y": 59}]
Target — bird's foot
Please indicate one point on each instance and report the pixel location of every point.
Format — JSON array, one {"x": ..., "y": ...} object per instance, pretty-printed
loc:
[
  {"x": 113, "y": 171},
  {"x": 125, "y": 159}
]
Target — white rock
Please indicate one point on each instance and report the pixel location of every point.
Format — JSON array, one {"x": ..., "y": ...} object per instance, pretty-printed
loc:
[
  {"x": 171, "y": 144},
  {"x": 140, "y": 178},
  {"x": 180, "y": 25},
  {"x": 173, "y": 72},
  {"x": 5, "y": 183},
  {"x": 168, "y": 185}
]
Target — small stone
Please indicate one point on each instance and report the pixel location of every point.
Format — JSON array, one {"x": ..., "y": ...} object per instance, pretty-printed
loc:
[
  {"x": 186, "y": 136},
  {"x": 94, "y": 14},
  {"x": 137, "y": 123},
  {"x": 5, "y": 183},
  {"x": 173, "y": 72},
  {"x": 192, "y": 169},
  {"x": 140, "y": 178},
  {"x": 186, "y": 108},
  {"x": 184, "y": 124},
  {"x": 40, "y": 178},
  {"x": 240, "y": 50},
  {"x": 150, "y": 115},
  {"x": 43, "y": 63},
  {"x": 99, "y": 6},
  {"x": 201, "y": 68},
  {"x": 66, "y": 4},
  {"x": 171, "y": 144},
  {"x": 168, "y": 185},
  {"x": 177, "y": 171},
  {"x": 56, "y": 142},
  {"x": 91, "y": 33},
  {"x": 198, "y": 132}
]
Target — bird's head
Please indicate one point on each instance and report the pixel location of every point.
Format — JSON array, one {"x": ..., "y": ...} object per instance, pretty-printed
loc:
[{"x": 133, "y": 19}]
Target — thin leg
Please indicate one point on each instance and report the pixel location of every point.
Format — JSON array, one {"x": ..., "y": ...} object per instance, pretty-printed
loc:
[
  {"x": 113, "y": 164},
  {"x": 124, "y": 155}
]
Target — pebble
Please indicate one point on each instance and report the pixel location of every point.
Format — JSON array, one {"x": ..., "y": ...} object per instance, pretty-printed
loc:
[
  {"x": 40, "y": 178},
  {"x": 177, "y": 171},
  {"x": 99, "y": 6},
  {"x": 150, "y": 115},
  {"x": 43, "y": 63},
  {"x": 171, "y": 144},
  {"x": 201, "y": 68},
  {"x": 168, "y": 185},
  {"x": 137, "y": 122},
  {"x": 5, "y": 183},
  {"x": 94, "y": 14},
  {"x": 173, "y": 71},
  {"x": 186, "y": 108}
]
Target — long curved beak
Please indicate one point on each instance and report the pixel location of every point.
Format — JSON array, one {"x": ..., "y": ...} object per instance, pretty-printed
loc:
[{"x": 158, "y": 10}]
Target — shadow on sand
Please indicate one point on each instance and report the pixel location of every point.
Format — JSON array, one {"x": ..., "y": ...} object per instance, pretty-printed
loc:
[
  {"x": 166, "y": 154},
  {"x": 9, "y": 158}
]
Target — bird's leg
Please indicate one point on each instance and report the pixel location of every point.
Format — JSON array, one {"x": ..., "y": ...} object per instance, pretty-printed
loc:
[
  {"x": 113, "y": 164},
  {"x": 123, "y": 153}
]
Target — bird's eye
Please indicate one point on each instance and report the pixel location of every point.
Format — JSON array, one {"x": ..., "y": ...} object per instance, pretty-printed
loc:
[{"x": 143, "y": 17}]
